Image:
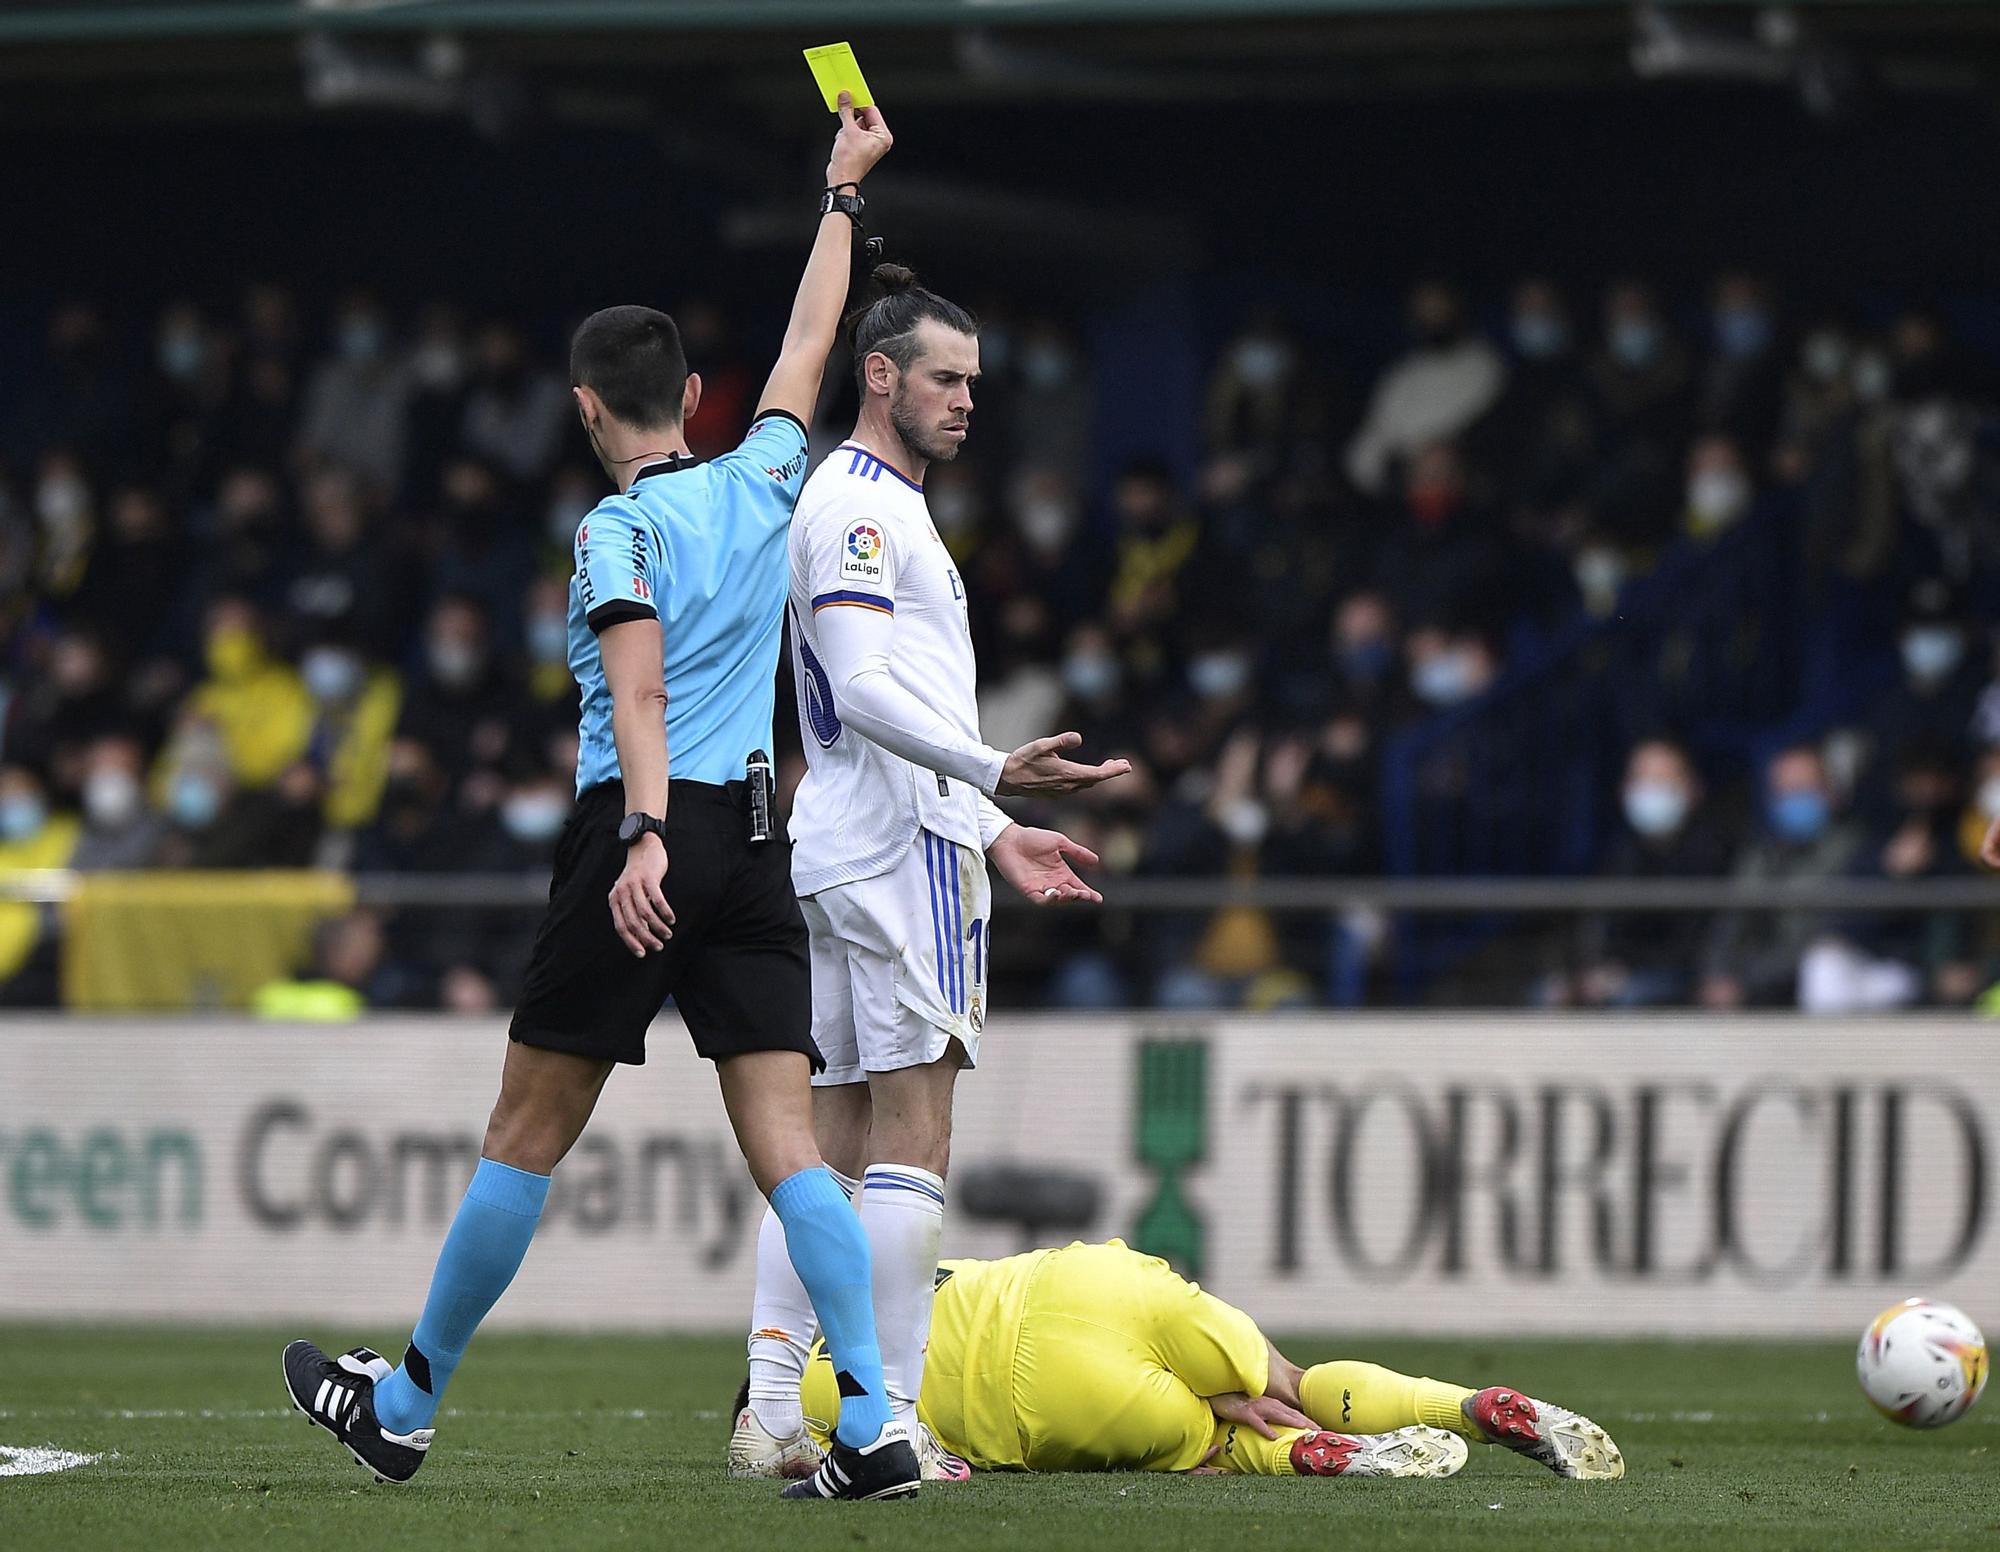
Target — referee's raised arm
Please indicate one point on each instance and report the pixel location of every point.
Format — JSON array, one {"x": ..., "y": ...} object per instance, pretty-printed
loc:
[
  {"x": 794, "y": 382},
  {"x": 676, "y": 620}
]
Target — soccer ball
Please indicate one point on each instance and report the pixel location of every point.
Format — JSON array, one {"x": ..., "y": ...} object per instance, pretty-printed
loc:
[{"x": 1922, "y": 1364}]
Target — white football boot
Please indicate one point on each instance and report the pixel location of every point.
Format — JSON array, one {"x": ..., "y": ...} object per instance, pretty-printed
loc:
[
  {"x": 1406, "y": 1452},
  {"x": 937, "y": 1462},
  {"x": 1570, "y": 1445},
  {"x": 756, "y": 1452}
]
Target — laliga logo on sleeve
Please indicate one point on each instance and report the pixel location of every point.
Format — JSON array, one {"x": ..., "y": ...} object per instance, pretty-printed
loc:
[{"x": 863, "y": 560}]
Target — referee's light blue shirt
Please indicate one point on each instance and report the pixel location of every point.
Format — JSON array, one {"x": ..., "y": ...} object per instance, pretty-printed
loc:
[{"x": 701, "y": 547}]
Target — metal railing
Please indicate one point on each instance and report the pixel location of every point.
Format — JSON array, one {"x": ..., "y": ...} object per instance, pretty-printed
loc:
[{"x": 1413, "y": 896}]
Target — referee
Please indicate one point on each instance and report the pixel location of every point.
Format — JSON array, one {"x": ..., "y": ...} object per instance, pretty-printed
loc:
[{"x": 676, "y": 612}]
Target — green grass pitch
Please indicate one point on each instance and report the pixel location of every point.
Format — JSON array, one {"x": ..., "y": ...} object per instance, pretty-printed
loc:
[{"x": 577, "y": 1443}]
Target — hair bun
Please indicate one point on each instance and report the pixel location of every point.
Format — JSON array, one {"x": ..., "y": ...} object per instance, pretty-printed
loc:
[{"x": 894, "y": 279}]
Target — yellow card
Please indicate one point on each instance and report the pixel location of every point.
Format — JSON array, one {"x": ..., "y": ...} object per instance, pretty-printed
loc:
[{"x": 836, "y": 69}]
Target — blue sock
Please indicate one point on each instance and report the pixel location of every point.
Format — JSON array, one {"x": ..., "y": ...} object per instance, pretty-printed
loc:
[
  {"x": 830, "y": 1254},
  {"x": 481, "y": 1254}
]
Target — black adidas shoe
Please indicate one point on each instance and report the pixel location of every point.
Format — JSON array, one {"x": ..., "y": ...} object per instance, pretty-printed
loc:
[
  {"x": 339, "y": 1395},
  {"x": 885, "y": 1469}
]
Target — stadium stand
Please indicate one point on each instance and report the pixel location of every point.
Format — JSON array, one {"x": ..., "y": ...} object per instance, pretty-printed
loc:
[{"x": 287, "y": 582}]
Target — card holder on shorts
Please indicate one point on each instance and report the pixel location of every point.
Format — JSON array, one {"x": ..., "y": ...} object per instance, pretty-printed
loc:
[{"x": 757, "y": 778}]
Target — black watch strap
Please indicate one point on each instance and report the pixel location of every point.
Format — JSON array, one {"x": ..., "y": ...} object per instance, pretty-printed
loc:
[
  {"x": 853, "y": 206},
  {"x": 633, "y": 826}
]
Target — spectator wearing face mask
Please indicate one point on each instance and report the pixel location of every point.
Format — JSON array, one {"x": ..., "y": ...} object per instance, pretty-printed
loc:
[
  {"x": 1641, "y": 378},
  {"x": 1640, "y": 368},
  {"x": 1094, "y": 686},
  {"x": 439, "y": 364},
  {"x": 1450, "y": 667},
  {"x": 545, "y": 648},
  {"x": 182, "y": 399},
  {"x": 1042, "y": 550},
  {"x": 478, "y": 959},
  {"x": 1449, "y": 378},
  {"x": 1540, "y": 439},
  {"x": 31, "y": 836},
  {"x": 1940, "y": 688},
  {"x": 1220, "y": 672},
  {"x": 213, "y": 823},
  {"x": 1752, "y": 957},
  {"x": 1252, "y": 408},
  {"x": 532, "y": 815},
  {"x": 357, "y": 403},
  {"x": 461, "y": 705},
  {"x": 1668, "y": 830},
  {"x": 1719, "y": 492},
  {"x": 355, "y": 705},
  {"x": 1741, "y": 389},
  {"x": 1366, "y": 652},
  {"x": 1051, "y": 404},
  {"x": 120, "y": 831},
  {"x": 1834, "y": 445},
  {"x": 256, "y": 702}
]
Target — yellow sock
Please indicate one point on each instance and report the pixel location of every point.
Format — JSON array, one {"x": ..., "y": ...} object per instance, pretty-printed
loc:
[
  {"x": 1351, "y": 1397},
  {"x": 1248, "y": 1453}
]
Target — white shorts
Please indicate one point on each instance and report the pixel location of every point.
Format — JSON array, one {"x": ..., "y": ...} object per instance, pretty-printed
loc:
[{"x": 899, "y": 962}]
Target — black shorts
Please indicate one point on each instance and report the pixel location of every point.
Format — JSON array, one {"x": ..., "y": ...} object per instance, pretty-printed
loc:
[{"x": 737, "y": 965}]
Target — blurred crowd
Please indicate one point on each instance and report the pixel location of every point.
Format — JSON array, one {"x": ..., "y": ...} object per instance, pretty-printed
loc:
[{"x": 284, "y": 587}]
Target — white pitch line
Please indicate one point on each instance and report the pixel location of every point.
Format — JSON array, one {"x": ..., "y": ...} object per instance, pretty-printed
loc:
[{"x": 39, "y": 1460}]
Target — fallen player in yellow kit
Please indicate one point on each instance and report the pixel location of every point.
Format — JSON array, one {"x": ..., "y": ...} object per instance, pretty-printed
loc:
[{"x": 1098, "y": 1358}]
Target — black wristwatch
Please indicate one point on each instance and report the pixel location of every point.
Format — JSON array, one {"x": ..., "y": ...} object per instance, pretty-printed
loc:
[
  {"x": 636, "y": 825},
  {"x": 853, "y": 206}
]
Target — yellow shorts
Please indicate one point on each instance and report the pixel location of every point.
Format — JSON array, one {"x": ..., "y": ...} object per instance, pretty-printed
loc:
[{"x": 1117, "y": 1356}]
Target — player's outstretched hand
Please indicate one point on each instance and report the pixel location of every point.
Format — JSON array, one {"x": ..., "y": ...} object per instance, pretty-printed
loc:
[
  {"x": 639, "y": 907},
  {"x": 1989, "y": 849},
  {"x": 1261, "y": 1414},
  {"x": 1037, "y": 862},
  {"x": 864, "y": 139},
  {"x": 1039, "y": 767}
]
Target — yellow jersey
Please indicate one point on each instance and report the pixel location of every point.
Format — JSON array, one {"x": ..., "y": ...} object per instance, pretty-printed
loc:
[{"x": 1088, "y": 1358}]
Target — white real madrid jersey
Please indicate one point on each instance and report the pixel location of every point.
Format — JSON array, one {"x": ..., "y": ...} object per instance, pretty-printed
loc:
[{"x": 901, "y": 665}]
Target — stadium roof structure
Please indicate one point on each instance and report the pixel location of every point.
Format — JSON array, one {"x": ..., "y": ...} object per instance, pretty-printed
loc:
[
  {"x": 79, "y": 20},
  {"x": 97, "y": 61}
]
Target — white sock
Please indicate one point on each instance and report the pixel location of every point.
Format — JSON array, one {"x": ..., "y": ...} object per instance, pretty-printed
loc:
[
  {"x": 781, "y": 1327},
  {"x": 902, "y": 1213}
]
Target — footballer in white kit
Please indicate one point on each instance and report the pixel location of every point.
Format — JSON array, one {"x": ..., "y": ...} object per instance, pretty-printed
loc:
[
  {"x": 888, "y": 856},
  {"x": 892, "y": 830}
]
